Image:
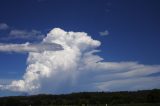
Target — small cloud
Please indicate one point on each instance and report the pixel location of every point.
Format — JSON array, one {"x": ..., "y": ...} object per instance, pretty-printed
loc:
[
  {"x": 3, "y": 26},
  {"x": 104, "y": 33},
  {"x": 25, "y": 34}
]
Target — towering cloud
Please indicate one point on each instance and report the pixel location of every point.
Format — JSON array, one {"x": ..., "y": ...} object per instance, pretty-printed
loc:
[{"x": 76, "y": 67}]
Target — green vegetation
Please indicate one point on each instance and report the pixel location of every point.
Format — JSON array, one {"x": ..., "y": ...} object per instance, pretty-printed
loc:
[{"x": 136, "y": 98}]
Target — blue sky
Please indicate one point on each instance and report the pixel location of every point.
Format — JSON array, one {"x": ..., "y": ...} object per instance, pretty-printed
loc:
[{"x": 132, "y": 28}]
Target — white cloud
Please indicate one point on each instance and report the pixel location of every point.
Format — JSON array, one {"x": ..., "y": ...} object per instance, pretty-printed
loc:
[
  {"x": 24, "y": 34},
  {"x": 3, "y": 26},
  {"x": 77, "y": 68},
  {"x": 104, "y": 33}
]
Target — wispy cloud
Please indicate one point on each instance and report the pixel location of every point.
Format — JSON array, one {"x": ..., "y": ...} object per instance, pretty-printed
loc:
[
  {"x": 104, "y": 33},
  {"x": 3, "y": 26},
  {"x": 27, "y": 47},
  {"x": 24, "y": 34},
  {"x": 20, "y": 34}
]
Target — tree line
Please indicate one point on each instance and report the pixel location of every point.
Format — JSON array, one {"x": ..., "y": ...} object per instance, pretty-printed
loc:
[{"x": 125, "y": 97}]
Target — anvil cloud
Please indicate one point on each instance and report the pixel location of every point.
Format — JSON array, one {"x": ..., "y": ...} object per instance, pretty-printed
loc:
[{"x": 76, "y": 67}]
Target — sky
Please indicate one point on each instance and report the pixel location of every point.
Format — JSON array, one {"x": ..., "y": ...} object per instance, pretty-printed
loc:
[{"x": 116, "y": 41}]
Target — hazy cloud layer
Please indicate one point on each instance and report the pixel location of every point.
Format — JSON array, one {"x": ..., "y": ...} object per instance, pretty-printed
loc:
[{"x": 78, "y": 68}]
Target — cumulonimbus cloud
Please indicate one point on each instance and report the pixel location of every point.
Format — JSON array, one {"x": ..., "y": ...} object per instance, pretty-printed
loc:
[{"x": 78, "y": 68}]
